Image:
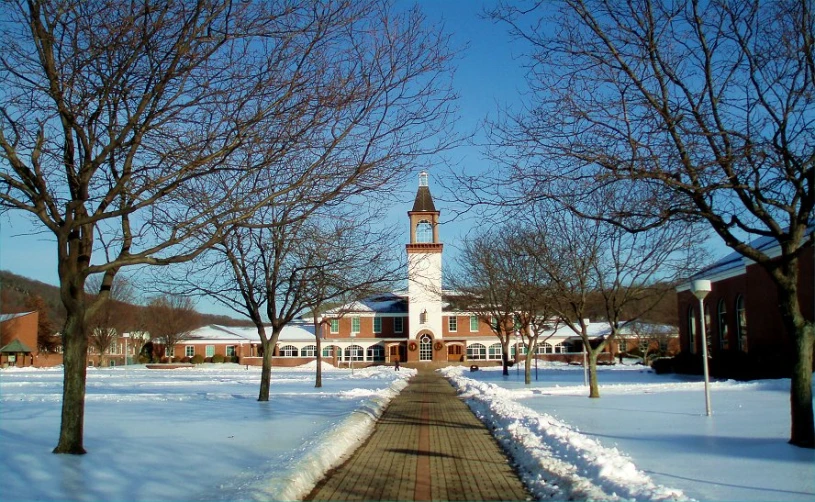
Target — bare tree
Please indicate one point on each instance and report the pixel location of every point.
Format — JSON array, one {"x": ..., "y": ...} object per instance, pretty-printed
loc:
[
  {"x": 169, "y": 320},
  {"x": 497, "y": 281},
  {"x": 703, "y": 110},
  {"x": 115, "y": 117},
  {"x": 649, "y": 337},
  {"x": 590, "y": 261},
  {"x": 114, "y": 316},
  {"x": 284, "y": 266}
]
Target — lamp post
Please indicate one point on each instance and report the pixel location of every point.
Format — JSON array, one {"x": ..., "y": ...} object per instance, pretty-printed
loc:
[
  {"x": 125, "y": 336},
  {"x": 353, "y": 354},
  {"x": 700, "y": 289}
]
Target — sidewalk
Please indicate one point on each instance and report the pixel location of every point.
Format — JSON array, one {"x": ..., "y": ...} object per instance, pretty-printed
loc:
[{"x": 427, "y": 445}]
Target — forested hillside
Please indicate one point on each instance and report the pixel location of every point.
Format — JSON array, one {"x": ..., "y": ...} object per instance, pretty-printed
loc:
[{"x": 15, "y": 290}]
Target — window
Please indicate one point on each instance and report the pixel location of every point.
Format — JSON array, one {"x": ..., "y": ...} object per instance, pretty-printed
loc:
[
  {"x": 377, "y": 325},
  {"x": 692, "y": 329},
  {"x": 355, "y": 325},
  {"x": 722, "y": 315},
  {"x": 741, "y": 323},
  {"x": 354, "y": 353},
  {"x": 473, "y": 323},
  {"x": 398, "y": 324},
  {"x": 424, "y": 232},
  {"x": 308, "y": 351},
  {"x": 335, "y": 325},
  {"x": 169, "y": 352},
  {"x": 476, "y": 352},
  {"x": 210, "y": 350},
  {"x": 376, "y": 353},
  {"x": 114, "y": 348},
  {"x": 495, "y": 351},
  {"x": 288, "y": 351},
  {"x": 425, "y": 348},
  {"x": 329, "y": 351},
  {"x": 230, "y": 351},
  {"x": 452, "y": 323},
  {"x": 189, "y": 351},
  {"x": 112, "y": 363}
]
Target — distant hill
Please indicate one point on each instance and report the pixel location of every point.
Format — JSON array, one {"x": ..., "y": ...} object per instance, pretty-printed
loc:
[{"x": 15, "y": 288}]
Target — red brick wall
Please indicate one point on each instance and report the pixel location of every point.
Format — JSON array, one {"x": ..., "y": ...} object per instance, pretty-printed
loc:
[{"x": 23, "y": 328}]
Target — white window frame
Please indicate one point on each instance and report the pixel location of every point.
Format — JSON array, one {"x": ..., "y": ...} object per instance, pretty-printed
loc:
[
  {"x": 356, "y": 324},
  {"x": 334, "y": 326},
  {"x": 398, "y": 324},
  {"x": 452, "y": 324},
  {"x": 308, "y": 351},
  {"x": 474, "y": 324},
  {"x": 189, "y": 350},
  {"x": 289, "y": 351},
  {"x": 230, "y": 348},
  {"x": 210, "y": 350},
  {"x": 377, "y": 325}
]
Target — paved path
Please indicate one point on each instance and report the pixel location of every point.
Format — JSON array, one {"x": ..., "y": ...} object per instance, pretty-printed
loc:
[{"x": 427, "y": 445}]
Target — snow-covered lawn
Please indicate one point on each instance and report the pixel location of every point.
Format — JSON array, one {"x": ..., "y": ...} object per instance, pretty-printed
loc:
[
  {"x": 186, "y": 434},
  {"x": 646, "y": 438}
]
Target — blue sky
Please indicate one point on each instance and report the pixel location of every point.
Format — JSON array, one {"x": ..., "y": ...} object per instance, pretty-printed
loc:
[{"x": 488, "y": 76}]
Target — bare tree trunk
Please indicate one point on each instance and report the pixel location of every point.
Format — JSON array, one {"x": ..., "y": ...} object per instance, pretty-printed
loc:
[
  {"x": 594, "y": 389},
  {"x": 802, "y": 332},
  {"x": 505, "y": 355},
  {"x": 533, "y": 348},
  {"x": 266, "y": 370},
  {"x": 75, "y": 353}
]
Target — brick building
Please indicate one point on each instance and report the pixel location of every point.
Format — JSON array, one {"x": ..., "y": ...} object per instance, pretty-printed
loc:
[{"x": 741, "y": 314}]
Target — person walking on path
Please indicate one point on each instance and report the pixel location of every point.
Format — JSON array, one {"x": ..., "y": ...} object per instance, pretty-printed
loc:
[{"x": 427, "y": 445}]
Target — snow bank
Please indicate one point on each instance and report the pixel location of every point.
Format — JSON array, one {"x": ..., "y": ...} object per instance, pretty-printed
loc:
[{"x": 554, "y": 460}]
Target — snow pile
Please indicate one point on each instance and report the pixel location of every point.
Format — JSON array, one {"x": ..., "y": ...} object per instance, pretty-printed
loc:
[
  {"x": 554, "y": 459},
  {"x": 310, "y": 462}
]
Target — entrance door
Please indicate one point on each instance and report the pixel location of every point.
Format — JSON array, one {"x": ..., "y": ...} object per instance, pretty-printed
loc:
[
  {"x": 393, "y": 353},
  {"x": 454, "y": 352},
  {"x": 426, "y": 348}
]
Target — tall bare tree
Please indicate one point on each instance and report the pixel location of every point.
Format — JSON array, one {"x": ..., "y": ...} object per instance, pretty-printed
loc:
[
  {"x": 115, "y": 118},
  {"x": 592, "y": 262},
  {"x": 169, "y": 320},
  {"x": 701, "y": 110}
]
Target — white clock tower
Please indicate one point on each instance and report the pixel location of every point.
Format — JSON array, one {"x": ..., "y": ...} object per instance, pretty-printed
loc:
[{"x": 424, "y": 272}]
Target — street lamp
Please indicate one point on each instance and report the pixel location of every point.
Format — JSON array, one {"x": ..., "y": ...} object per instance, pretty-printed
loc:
[
  {"x": 700, "y": 289},
  {"x": 353, "y": 352}
]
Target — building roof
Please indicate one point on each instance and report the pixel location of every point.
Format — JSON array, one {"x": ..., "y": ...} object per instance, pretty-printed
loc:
[
  {"x": 734, "y": 264},
  {"x": 424, "y": 201},
  {"x": 8, "y": 317},
  {"x": 227, "y": 334},
  {"x": 15, "y": 347}
]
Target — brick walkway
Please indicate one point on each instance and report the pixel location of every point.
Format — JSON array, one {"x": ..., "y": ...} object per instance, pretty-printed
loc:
[{"x": 427, "y": 445}]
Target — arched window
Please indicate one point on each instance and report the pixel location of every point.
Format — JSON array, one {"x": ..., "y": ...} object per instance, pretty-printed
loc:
[
  {"x": 741, "y": 323},
  {"x": 376, "y": 353},
  {"x": 494, "y": 351},
  {"x": 722, "y": 317},
  {"x": 288, "y": 351},
  {"x": 308, "y": 351},
  {"x": 477, "y": 351},
  {"x": 328, "y": 351},
  {"x": 424, "y": 231},
  {"x": 692, "y": 329},
  {"x": 426, "y": 348},
  {"x": 354, "y": 353}
]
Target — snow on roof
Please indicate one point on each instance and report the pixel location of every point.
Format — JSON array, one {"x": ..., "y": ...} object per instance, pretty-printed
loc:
[
  {"x": 213, "y": 332},
  {"x": 386, "y": 303},
  {"x": 8, "y": 317},
  {"x": 734, "y": 263}
]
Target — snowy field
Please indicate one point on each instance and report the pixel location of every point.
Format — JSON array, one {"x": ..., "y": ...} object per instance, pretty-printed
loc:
[
  {"x": 646, "y": 438},
  {"x": 186, "y": 434}
]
